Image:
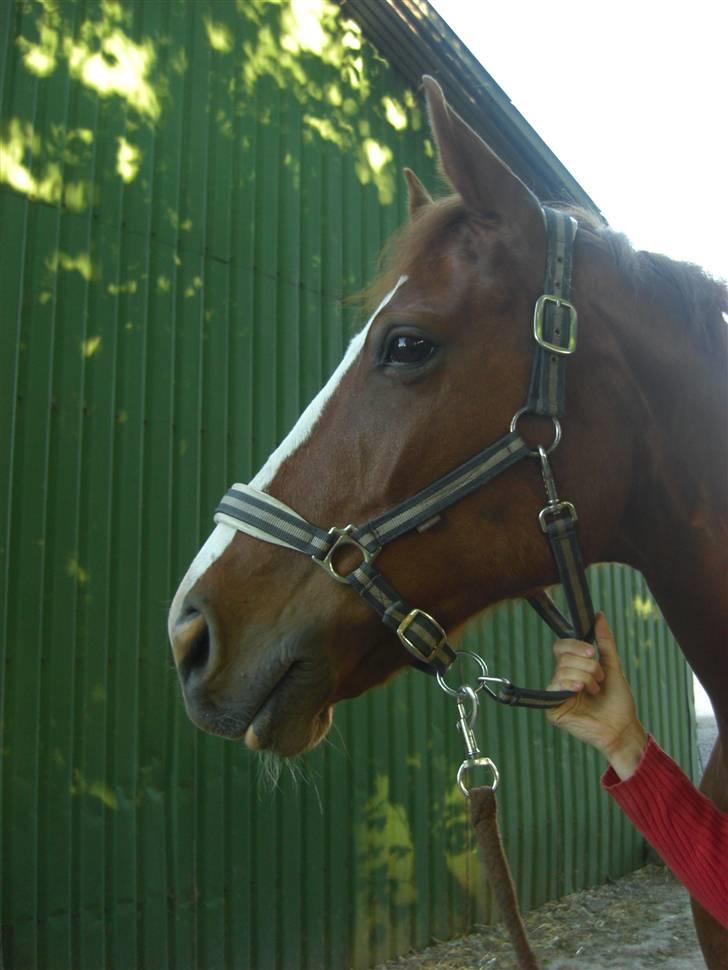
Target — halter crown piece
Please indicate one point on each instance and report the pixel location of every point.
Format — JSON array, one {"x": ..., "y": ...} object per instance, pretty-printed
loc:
[{"x": 554, "y": 330}]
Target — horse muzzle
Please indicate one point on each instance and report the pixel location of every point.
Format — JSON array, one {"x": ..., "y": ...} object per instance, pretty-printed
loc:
[{"x": 273, "y": 695}]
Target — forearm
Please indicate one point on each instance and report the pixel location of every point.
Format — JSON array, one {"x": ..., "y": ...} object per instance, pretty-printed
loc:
[{"x": 684, "y": 827}]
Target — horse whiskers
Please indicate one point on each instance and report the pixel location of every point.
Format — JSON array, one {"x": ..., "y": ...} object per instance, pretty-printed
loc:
[
  {"x": 271, "y": 766},
  {"x": 340, "y": 748},
  {"x": 312, "y": 781},
  {"x": 301, "y": 772}
]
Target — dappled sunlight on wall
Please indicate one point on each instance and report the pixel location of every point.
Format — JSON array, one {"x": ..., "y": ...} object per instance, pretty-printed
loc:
[
  {"x": 101, "y": 55},
  {"x": 386, "y": 855},
  {"x": 34, "y": 166},
  {"x": 304, "y": 47}
]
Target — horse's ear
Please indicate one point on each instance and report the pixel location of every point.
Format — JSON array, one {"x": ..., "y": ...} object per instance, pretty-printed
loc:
[
  {"x": 486, "y": 185},
  {"x": 418, "y": 194}
]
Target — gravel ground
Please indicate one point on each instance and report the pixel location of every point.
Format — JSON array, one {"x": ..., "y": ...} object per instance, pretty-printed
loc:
[
  {"x": 638, "y": 922},
  {"x": 707, "y": 734}
]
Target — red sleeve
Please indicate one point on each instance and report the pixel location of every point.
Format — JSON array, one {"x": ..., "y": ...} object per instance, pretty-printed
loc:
[{"x": 683, "y": 826}]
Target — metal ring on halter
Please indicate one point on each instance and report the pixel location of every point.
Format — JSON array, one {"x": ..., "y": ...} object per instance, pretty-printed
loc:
[
  {"x": 535, "y": 453},
  {"x": 470, "y": 763},
  {"x": 462, "y": 653}
]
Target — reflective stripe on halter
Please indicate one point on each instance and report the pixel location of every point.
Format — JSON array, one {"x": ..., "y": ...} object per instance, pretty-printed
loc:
[{"x": 260, "y": 515}]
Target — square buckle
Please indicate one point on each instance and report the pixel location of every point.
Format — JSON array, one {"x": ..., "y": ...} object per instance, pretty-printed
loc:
[
  {"x": 413, "y": 649},
  {"x": 344, "y": 537},
  {"x": 556, "y": 509},
  {"x": 538, "y": 314}
]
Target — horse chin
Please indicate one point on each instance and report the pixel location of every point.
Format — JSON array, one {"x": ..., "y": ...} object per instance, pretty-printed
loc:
[
  {"x": 289, "y": 736},
  {"x": 296, "y": 712},
  {"x": 274, "y": 729}
]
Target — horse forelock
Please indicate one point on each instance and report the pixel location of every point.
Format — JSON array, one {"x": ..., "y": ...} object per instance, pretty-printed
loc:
[{"x": 418, "y": 240}]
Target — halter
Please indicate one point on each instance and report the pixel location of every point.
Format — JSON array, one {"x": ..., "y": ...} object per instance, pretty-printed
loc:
[{"x": 554, "y": 330}]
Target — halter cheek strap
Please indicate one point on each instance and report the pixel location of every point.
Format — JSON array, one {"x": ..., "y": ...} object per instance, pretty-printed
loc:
[
  {"x": 554, "y": 320},
  {"x": 264, "y": 517}
]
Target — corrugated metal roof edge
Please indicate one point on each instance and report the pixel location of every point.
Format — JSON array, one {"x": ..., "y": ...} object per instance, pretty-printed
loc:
[{"x": 416, "y": 41}]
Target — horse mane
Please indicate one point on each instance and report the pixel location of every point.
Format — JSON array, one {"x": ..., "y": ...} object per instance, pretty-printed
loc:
[{"x": 699, "y": 299}]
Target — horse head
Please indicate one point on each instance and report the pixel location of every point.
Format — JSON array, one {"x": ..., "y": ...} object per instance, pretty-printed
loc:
[{"x": 265, "y": 643}]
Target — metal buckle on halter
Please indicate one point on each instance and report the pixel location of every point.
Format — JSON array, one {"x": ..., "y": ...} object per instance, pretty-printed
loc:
[
  {"x": 413, "y": 649},
  {"x": 538, "y": 314},
  {"x": 344, "y": 537},
  {"x": 556, "y": 509}
]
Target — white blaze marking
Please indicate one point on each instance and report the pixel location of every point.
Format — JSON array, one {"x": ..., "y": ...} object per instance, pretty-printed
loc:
[
  {"x": 302, "y": 429},
  {"x": 222, "y": 535},
  {"x": 217, "y": 542}
]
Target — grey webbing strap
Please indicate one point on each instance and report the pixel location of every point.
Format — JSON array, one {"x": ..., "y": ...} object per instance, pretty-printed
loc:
[
  {"x": 554, "y": 323},
  {"x": 514, "y": 696},
  {"x": 268, "y": 519},
  {"x": 564, "y": 544},
  {"x": 418, "y": 632},
  {"x": 552, "y": 616},
  {"x": 453, "y": 486}
]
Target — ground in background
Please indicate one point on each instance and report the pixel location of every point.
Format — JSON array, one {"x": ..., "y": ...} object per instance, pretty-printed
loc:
[{"x": 640, "y": 921}]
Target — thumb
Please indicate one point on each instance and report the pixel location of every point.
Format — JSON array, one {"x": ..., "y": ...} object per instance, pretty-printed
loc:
[{"x": 608, "y": 656}]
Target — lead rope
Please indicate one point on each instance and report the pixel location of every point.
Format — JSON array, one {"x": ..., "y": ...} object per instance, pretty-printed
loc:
[{"x": 484, "y": 816}]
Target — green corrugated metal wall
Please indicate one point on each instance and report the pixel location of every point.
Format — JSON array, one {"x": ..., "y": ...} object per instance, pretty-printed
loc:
[{"x": 186, "y": 191}]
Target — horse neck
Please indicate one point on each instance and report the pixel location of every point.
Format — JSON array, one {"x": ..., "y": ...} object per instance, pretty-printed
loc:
[{"x": 676, "y": 528}]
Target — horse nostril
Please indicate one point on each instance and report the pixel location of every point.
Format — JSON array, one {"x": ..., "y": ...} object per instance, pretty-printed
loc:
[
  {"x": 191, "y": 645},
  {"x": 197, "y": 655}
]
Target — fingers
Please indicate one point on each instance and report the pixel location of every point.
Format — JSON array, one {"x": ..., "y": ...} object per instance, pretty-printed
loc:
[
  {"x": 577, "y": 667},
  {"x": 605, "y": 641},
  {"x": 581, "y": 666},
  {"x": 576, "y": 678},
  {"x": 574, "y": 648},
  {"x": 607, "y": 648}
]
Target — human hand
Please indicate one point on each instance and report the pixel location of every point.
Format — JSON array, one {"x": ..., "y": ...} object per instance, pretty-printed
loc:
[{"x": 602, "y": 712}]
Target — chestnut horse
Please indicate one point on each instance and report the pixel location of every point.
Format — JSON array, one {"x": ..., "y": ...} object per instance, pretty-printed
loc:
[{"x": 266, "y": 644}]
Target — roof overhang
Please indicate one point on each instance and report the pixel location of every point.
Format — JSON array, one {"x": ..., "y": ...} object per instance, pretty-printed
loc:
[{"x": 413, "y": 37}]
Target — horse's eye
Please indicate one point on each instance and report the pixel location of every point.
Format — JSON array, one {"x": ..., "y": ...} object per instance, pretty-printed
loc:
[{"x": 408, "y": 349}]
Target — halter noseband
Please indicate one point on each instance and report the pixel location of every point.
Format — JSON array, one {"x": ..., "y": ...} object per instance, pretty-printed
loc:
[{"x": 554, "y": 329}]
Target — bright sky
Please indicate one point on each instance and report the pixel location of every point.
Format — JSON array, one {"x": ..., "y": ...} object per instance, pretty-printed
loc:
[{"x": 631, "y": 96}]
